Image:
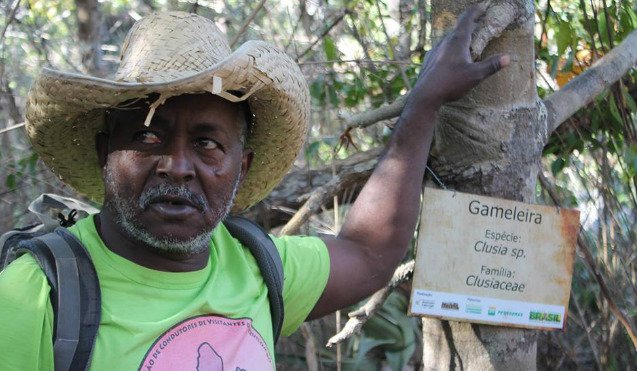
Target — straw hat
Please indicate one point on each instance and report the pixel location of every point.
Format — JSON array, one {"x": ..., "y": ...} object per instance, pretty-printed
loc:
[{"x": 172, "y": 54}]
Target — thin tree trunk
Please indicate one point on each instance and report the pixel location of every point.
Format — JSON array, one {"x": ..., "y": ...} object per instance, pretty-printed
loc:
[
  {"x": 89, "y": 24},
  {"x": 489, "y": 143}
]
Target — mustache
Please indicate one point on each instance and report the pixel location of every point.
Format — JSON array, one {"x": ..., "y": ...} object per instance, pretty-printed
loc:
[{"x": 165, "y": 189}]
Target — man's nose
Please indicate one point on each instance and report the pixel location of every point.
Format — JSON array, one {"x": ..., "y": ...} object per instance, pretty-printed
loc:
[{"x": 176, "y": 164}]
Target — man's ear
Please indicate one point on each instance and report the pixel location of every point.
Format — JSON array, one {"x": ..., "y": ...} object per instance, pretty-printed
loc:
[
  {"x": 101, "y": 147},
  {"x": 246, "y": 162}
]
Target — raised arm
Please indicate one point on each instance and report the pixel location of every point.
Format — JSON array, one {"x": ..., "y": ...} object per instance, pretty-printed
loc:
[{"x": 380, "y": 224}]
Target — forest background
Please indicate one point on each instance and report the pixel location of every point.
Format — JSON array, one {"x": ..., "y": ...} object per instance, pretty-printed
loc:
[{"x": 360, "y": 57}]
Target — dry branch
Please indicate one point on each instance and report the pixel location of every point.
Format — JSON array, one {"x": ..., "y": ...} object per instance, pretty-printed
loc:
[
  {"x": 245, "y": 25},
  {"x": 370, "y": 117},
  {"x": 360, "y": 316},
  {"x": 349, "y": 176},
  {"x": 296, "y": 186},
  {"x": 626, "y": 322},
  {"x": 9, "y": 18},
  {"x": 584, "y": 88},
  {"x": 13, "y": 127},
  {"x": 325, "y": 32}
]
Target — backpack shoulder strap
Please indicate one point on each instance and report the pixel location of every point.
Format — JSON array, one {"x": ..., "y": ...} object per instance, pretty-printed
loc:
[
  {"x": 64, "y": 260},
  {"x": 252, "y": 236}
]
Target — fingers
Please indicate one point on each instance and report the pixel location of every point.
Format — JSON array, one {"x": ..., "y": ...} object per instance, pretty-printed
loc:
[
  {"x": 491, "y": 65},
  {"x": 468, "y": 20}
]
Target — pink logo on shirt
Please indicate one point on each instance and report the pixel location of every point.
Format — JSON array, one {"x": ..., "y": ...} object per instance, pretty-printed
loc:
[{"x": 209, "y": 343}]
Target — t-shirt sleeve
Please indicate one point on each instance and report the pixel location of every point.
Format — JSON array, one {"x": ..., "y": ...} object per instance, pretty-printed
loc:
[
  {"x": 25, "y": 317},
  {"x": 306, "y": 266}
]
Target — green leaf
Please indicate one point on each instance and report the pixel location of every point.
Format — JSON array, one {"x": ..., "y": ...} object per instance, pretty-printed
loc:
[
  {"x": 333, "y": 96},
  {"x": 595, "y": 121},
  {"x": 11, "y": 181},
  {"x": 553, "y": 62},
  {"x": 311, "y": 151},
  {"x": 603, "y": 29},
  {"x": 317, "y": 90},
  {"x": 630, "y": 102},
  {"x": 614, "y": 111},
  {"x": 557, "y": 165},
  {"x": 396, "y": 360},
  {"x": 367, "y": 344},
  {"x": 564, "y": 37},
  {"x": 630, "y": 13},
  {"x": 628, "y": 18},
  {"x": 330, "y": 49},
  {"x": 33, "y": 160},
  {"x": 630, "y": 157}
]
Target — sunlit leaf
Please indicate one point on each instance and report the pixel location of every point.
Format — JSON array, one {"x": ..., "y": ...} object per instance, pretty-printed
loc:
[
  {"x": 331, "y": 52},
  {"x": 564, "y": 37},
  {"x": 630, "y": 158},
  {"x": 614, "y": 111},
  {"x": 630, "y": 102}
]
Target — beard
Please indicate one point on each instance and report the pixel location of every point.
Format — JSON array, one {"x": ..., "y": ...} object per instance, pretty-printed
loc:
[{"x": 124, "y": 210}]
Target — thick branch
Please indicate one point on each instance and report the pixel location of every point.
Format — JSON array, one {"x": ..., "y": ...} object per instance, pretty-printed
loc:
[
  {"x": 353, "y": 175},
  {"x": 584, "y": 88},
  {"x": 295, "y": 188},
  {"x": 360, "y": 316},
  {"x": 370, "y": 117}
]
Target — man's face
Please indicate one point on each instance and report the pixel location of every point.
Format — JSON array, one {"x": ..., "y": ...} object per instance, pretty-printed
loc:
[{"x": 168, "y": 185}]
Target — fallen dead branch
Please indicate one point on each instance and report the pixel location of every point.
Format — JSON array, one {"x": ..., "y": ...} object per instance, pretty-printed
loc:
[{"x": 358, "y": 317}]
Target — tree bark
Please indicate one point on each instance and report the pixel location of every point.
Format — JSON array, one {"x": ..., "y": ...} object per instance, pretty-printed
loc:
[
  {"x": 89, "y": 24},
  {"x": 489, "y": 143}
]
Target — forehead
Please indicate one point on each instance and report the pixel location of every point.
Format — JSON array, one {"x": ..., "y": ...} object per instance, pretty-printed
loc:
[{"x": 181, "y": 110}]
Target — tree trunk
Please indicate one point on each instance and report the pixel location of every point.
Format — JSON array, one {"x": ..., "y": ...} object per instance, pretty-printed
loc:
[
  {"x": 489, "y": 143},
  {"x": 89, "y": 24}
]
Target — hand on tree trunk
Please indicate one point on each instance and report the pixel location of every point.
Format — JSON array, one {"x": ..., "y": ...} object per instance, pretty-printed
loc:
[{"x": 448, "y": 72}]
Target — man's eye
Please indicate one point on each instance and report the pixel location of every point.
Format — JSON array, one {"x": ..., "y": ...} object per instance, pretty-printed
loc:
[
  {"x": 207, "y": 144},
  {"x": 147, "y": 137}
]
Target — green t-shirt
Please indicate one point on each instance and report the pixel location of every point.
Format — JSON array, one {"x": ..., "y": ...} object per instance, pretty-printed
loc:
[{"x": 215, "y": 318}]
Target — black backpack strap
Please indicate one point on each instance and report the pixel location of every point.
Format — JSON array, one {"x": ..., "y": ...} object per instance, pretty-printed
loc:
[
  {"x": 252, "y": 236},
  {"x": 64, "y": 260}
]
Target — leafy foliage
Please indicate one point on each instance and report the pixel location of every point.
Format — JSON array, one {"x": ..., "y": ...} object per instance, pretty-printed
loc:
[{"x": 592, "y": 158}]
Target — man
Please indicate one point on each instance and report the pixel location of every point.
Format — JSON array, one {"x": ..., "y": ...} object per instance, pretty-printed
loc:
[{"x": 169, "y": 152}]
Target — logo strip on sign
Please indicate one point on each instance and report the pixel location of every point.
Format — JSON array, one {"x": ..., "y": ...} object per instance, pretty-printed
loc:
[{"x": 487, "y": 310}]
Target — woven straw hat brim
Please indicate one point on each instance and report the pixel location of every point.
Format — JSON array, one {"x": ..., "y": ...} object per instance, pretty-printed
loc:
[{"x": 65, "y": 111}]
